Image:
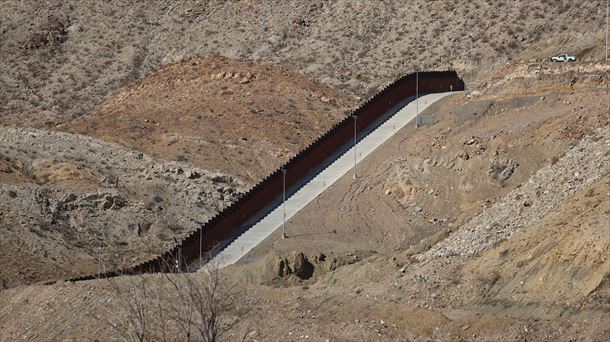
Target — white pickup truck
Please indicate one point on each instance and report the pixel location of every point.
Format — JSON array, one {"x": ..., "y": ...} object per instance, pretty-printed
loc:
[{"x": 563, "y": 58}]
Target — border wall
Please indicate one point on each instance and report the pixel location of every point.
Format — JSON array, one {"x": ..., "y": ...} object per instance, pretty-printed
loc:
[{"x": 225, "y": 223}]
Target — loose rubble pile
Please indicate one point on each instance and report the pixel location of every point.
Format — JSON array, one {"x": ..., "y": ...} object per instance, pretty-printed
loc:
[{"x": 544, "y": 191}]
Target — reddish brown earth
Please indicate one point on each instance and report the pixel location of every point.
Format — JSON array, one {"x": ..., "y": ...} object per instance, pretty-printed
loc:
[{"x": 241, "y": 117}]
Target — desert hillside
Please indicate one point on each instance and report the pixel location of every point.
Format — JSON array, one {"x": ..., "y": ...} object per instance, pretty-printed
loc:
[
  {"x": 191, "y": 138},
  {"x": 71, "y": 204},
  {"x": 482, "y": 145},
  {"x": 496, "y": 229},
  {"x": 71, "y": 55},
  {"x": 126, "y": 126}
]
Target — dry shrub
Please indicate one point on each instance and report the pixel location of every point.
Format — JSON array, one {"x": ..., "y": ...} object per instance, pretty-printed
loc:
[{"x": 173, "y": 306}]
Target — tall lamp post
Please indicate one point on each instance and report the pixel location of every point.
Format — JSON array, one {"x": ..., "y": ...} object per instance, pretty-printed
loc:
[
  {"x": 284, "y": 204},
  {"x": 179, "y": 259},
  {"x": 471, "y": 58},
  {"x": 417, "y": 120},
  {"x": 355, "y": 117},
  {"x": 607, "y": 4}
]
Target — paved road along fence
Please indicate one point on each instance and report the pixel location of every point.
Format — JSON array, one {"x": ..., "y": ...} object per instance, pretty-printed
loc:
[{"x": 220, "y": 227}]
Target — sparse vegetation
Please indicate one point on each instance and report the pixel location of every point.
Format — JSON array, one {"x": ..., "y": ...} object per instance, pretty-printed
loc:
[
  {"x": 172, "y": 306},
  {"x": 101, "y": 53},
  {"x": 485, "y": 223}
]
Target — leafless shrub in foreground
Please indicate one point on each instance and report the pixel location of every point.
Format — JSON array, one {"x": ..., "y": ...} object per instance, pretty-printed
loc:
[
  {"x": 202, "y": 304},
  {"x": 136, "y": 297},
  {"x": 173, "y": 306}
]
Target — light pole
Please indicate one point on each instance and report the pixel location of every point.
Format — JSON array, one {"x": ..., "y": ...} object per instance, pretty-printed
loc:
[
  {"x": 284, "y": 204},
  {"x": 417, "y": 123},
  {"x": 471, "y": 58},
  {"x": 355, "y": 134},
  {"x": 607, "y": 4},
  {"x": 99, "y": 267},
  {"x": 200, "y": 243}
]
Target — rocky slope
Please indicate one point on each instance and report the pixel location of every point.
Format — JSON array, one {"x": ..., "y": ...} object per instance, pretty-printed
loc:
[
  {"x": 541, "y": 194},
  {"x": 73, "y": 204},
  {"x": 542, "y": 78},
  {"x": 74, "y": 54}
]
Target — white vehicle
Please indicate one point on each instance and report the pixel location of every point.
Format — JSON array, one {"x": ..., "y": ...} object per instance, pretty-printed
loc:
[{"x": 563, "y": 58}]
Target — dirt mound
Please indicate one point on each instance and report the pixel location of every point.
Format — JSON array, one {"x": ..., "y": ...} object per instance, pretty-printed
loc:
[
  {"x": 243, "y": 118},
  {"x": 293, "y": 268}
]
